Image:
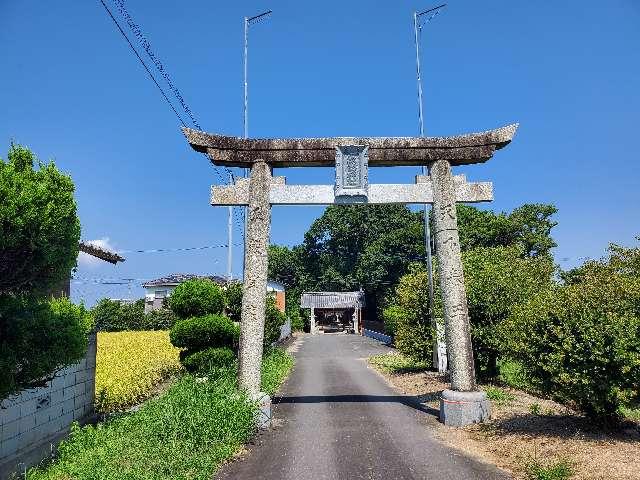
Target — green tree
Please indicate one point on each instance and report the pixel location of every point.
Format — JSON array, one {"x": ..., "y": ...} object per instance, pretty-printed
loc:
[
  {"x": 39, "y": 234},
  {"x": 39, "y": 227},
  {"x": 497, "y": 280},
  {"x": 528, "y": 227},
  {"x": 361, "y": 246}
]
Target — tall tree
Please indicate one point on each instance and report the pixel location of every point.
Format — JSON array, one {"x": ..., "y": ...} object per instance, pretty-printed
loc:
[
  {"x": 39, "y": 227},
  {"x": 39, "y": 233},
  {"x": 372, "y": 246},
  {"x": 528, "y": 227}
]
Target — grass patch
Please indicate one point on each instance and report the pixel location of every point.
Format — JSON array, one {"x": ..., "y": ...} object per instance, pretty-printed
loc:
[
  {"x": 559, "y": 470},
  {"x": 129, "y": 365},
  {"x": 631, "y": 413},
  {"x": 276, "y": 365},
  {"x": 499, "y": 396},
  {"x": 186, "y": 433},
  {"x": 397, "y": 363}
]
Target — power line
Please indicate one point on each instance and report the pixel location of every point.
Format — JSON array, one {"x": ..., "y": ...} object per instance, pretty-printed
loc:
[
  {"x": 142, "y": 62},
  {"x": 179, "y": 249},
  {"x": 147, "y": 48},
  {"x": 162, "y": 71}
]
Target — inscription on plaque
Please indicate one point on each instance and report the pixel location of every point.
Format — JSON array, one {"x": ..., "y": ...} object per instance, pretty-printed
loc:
[{"x": 352, "y": 178}]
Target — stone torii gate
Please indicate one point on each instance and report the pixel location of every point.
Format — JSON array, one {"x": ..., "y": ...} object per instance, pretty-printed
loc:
[{"x": 463, "y": 403}]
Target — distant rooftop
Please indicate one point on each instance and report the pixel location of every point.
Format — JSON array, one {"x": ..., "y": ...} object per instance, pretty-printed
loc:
[
  {"x": 177, "y": 278},
  {"x": 100, "y": 253}
]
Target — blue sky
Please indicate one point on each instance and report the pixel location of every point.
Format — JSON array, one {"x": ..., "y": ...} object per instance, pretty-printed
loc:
[{"x": 73, "y": 92}]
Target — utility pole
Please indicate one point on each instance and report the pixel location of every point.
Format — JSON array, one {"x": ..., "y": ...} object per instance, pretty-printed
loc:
[
  {"x": 245, "y": 116},
  {"x": 230, "y": 237},
  {"x": 439, "y": 347}
]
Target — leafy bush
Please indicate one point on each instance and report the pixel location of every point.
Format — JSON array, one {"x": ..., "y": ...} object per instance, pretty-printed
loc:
[
  {"x": 409, "y": 313},
  {"x": 129, "y": 365},
  {"x": 209, "y": 359},
  {"x": 132, "y": 316},
  {"x": 233, "y": 301},
  {"x": 497, "y": 280},
  {"x": 38, "y": 337},
  {"x": 297, "y": 322},
  {"x": 197, "y": 297},
  {"x": 198, "y": 333},
  {"x": 581, "y": 342},
  {"x": 274, "y": 319},
  {"x": 391, "y": 316},
  {"x": 161, "y": 319},
  {"x": 112, "y": 316}
]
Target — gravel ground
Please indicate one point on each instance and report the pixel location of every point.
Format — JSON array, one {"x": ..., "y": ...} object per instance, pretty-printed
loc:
[{"x": 515, "y": 436}]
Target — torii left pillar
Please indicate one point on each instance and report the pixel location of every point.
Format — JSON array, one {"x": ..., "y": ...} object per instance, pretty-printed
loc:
[{"x": 254, "y": 287}]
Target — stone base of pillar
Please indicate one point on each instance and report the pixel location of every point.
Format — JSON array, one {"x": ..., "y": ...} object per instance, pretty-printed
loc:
[
  {"x": 263, "y": 415},
  {"x": 458, "y": 409}
]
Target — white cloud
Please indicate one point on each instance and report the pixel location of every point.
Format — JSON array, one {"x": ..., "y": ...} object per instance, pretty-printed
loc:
[{"x": 86, "y": 260}]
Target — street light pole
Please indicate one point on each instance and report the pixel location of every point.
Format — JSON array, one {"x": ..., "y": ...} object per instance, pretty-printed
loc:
[
  {"x": 439, "y": 348},
  {"x": 245, "y": 114}
]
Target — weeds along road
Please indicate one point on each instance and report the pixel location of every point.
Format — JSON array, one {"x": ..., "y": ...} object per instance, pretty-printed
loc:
[{"x": 335, "y": 418}]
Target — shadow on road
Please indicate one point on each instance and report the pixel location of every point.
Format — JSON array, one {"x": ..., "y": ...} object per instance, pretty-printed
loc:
[{"x": 408, "y": 400}]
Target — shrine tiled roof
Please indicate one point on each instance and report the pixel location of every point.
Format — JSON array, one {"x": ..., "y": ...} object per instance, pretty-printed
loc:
[{"x": 332, "y": 300}]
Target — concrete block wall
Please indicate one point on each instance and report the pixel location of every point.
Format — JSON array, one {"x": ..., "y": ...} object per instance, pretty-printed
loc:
[{"x": 34, "y": 417}]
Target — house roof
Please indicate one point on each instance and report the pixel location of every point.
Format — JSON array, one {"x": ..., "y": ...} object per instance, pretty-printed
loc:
[
  {"x": 100, "y": 253},
  {"x": 332, "y": 300},
  {"x": 178, "y": 278}
]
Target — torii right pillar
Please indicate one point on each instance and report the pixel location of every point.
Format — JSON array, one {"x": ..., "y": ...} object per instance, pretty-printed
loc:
[{"x": 463, "y": 404}]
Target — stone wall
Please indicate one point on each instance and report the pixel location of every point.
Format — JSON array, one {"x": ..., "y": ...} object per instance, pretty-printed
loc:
[{"x": 35, "y": 418}]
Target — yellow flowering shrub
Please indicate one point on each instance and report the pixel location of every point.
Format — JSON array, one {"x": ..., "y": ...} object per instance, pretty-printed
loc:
[{"x": 130, "y": 364}]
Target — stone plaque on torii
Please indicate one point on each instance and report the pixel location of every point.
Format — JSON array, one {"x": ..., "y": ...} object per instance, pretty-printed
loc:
[{"x": 352, "y": 156}]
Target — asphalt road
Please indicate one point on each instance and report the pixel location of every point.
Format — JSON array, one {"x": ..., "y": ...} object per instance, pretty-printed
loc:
[{"x": 336, "y": 418}]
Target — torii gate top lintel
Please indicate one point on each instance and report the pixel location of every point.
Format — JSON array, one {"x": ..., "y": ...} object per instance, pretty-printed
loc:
[{"x": 320, "y": 152}]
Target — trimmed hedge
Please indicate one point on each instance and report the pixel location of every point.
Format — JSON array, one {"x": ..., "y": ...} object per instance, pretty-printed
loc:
[
  {"x": 209, "y": 359},
  {"x": 196, "y": 297},
  {"x": 198, "y": 333}
]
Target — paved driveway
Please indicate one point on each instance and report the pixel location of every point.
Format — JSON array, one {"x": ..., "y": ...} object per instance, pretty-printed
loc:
[{"x": 336, "y": 418}]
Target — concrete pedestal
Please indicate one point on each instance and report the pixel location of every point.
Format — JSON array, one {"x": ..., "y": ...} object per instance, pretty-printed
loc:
[
  {"x": 458, "y": 409},
  {"x": 263, "y": 415}
]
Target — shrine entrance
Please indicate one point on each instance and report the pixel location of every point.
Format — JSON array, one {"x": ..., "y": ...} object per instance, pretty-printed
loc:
[
  {"x": 334, "y": 311},
  {"x": 462, "y": 403}
]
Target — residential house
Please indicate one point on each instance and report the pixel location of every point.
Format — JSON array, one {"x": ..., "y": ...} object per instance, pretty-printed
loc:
[{"x": 158, "y": 290}]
